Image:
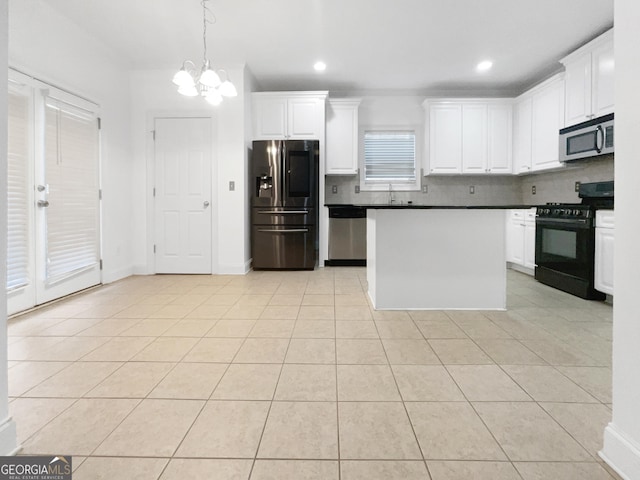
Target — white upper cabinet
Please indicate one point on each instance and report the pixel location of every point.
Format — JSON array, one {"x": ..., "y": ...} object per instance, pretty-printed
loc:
[
  {"x": 539, "y": 115},
  {"x": 474, "y": 138},
  {"x": 522, "y": 134},
  {"x": 288, "y": 115},
  {"x": 342, "y": 137},
  {"x": 500, "y": 138},
  {"x": 547, "y": 119},
  {"x": 589, "y": 80},
  {"x": 445, "y": 138},
  {"x": 469, "y": 136}
]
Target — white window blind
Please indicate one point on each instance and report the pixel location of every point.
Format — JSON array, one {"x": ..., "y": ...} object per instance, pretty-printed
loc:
[
  {"x": 18, "y": 191},
  {"x": 71, "y": 165},
  {"x": 390, "y": 157}
]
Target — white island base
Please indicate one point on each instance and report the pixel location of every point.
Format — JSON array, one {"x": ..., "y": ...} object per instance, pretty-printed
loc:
[{"x": 436, "y": 259}]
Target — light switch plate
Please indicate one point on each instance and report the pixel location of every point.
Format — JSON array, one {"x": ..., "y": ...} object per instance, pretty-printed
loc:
[
  {"x": 425, "y": 188},
  {"x": 472, "y": 189},
  {"x": 334, "y": 188},
  {"x": 357, "y": 189},
  {"x": 232, "y": 186},
  {"x": 577, "y": 187}
]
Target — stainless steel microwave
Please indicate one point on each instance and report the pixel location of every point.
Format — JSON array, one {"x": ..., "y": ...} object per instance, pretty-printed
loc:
[{"x": 587, "y": 139}]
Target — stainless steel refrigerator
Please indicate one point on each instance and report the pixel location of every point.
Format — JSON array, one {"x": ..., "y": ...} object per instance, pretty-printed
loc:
[{"x": 284, "y": 204}]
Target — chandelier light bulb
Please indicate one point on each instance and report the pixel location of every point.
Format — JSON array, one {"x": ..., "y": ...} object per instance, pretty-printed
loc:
[
  {"x": 182, "y": 78},
  {"x": 188, "y": 91},
  {"x": 227, "y": 89},
  {"x": 213, "y": 97}
]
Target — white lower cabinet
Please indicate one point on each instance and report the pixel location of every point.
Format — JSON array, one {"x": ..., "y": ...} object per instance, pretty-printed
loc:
[
  {"x": 603, "y": 276},
  {"x": 521, "y": 239}
]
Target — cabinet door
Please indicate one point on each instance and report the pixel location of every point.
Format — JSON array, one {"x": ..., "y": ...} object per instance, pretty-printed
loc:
[
  {"x": 602, "y": 80},
  {"x": 305, "y": 117},
  {"x": 342, "y": 139},
  {"x": 578, "y": 90},
  {"x": 515, "y": 237},
  {"x": 270, "y": 118},
  {"x": 530, "y": 245},
  {"x": 522, "y": 136},
  {"x": 500, "y": 126},
  {"x": 474, "y": 138},
  {"x": 603, "y": 277},
  {"x": 547, "y": 113},
  {"x": 445, "y": 138}
]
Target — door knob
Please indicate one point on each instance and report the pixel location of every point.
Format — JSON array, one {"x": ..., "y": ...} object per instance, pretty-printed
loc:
[
  {"x": 206, "y": 204},
  {"x": 43, "y": 203}
]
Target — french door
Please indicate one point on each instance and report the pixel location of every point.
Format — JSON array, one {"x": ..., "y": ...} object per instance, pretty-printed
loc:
[
  {"x": 53, "y": 195},
  {"x": 183, "y": 217}
]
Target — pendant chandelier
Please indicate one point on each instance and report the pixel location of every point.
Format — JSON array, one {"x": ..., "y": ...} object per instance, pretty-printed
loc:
[{"x": 205, "y": 82}]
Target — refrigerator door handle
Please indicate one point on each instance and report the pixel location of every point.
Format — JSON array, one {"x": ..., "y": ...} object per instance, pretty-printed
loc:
[
  {"x": 284, "y": 212},
  {"x": 289, "y": 230}
]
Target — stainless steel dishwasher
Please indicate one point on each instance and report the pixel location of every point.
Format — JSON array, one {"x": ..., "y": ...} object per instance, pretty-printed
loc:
[{"x": 347, "y": 236}]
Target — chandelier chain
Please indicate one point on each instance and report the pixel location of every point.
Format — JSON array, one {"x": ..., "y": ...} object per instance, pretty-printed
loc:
[{"x": 206, "y": 10}]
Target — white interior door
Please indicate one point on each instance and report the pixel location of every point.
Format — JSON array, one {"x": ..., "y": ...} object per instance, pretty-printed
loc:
[{"x": 183, "y": 195}]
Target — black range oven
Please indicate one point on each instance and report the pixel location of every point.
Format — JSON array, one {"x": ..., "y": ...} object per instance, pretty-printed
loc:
[{"x": 565, "y": 241}]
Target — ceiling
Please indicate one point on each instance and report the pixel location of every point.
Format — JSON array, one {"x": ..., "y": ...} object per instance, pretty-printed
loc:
[{"x": 416, "y": 46}]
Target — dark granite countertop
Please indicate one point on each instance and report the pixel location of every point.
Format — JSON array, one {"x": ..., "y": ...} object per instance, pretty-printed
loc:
[{"x": 432, "y": 207}]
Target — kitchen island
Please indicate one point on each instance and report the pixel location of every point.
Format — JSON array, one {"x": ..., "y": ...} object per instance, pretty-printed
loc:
[{"x": 442, "y": 258}]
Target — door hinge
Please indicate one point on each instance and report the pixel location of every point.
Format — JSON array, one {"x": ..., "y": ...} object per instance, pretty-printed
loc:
[
  {"x": 153, "y": 132},
  {"x": 99, "y": 123},
  {"x": 100, "y": 194},
  {"x": 100, "y": 264},
  {"x": 154, "y": 191},
  {"x": 154, "y": 249}
]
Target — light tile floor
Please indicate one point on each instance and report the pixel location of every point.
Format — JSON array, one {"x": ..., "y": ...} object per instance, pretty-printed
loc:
[{"x": 292, "y": 375}]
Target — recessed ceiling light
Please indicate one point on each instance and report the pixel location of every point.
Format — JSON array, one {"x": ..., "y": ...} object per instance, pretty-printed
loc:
[
  {"x": 320, "y": 66},
  {"x": 484, "y": 66}
]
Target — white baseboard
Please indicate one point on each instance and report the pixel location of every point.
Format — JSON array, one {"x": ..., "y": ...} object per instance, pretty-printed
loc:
[
  {"x": 621, "y": 453},
  {"x": 115, "y": 275},
  {"x": 141, "y": 270},
  {"x": 8, "y": 437},
  {"x": 235, "y": 269},
  {"x": 520, "y": 268}
]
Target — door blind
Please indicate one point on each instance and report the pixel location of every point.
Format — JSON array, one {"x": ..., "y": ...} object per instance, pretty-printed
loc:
[
  {"x": 71, "y": 165},
  {"x": 18, "y": 191},
  {"x": 390, "y": 157}
]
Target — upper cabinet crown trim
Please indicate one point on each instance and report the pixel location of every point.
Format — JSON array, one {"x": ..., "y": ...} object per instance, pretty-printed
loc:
[
  {"x": 314, "y": 94},
  {"x": 589, "y": 46}
]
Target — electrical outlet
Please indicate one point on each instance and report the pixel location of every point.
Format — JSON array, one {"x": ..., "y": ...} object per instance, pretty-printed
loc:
[
  {"x": 357, "y": 189},
  {"x": 472, "y": 189},
  {"x": 533, "y": 189},
  {"x": 577, "y": 187},
  {"x": 425, "y": 188},
  {"x": 232, "y": 186},
  {"x": 334, "y": 188}
]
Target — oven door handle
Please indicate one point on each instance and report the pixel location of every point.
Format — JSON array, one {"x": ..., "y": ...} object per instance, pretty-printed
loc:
[
  {"x": 599, "y": 145},
  {"x": 563, "y": 222}
]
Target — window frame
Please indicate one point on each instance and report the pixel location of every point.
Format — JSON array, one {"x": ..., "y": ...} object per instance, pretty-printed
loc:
[{"x": 383, "y": 186}]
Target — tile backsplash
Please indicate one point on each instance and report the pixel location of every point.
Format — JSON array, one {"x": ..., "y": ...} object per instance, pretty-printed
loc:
[{"x": 556, "y": 186}]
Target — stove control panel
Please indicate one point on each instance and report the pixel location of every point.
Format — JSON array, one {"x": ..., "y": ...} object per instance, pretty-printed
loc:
[{"x": 565, "y": 211}]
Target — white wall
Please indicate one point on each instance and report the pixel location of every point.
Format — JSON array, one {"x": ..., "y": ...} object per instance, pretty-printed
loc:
[
  {"x": 8, "y": 440},
  {"x": 153, "y": 95},
  {"x": 622, "y": 436},
  {"x": 46, "y": 45}
]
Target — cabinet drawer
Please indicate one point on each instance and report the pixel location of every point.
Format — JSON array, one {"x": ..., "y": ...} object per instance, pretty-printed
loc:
[{"x": 605, "y": 219}]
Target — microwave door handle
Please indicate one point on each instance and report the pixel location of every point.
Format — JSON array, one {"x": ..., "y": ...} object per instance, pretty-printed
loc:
[{"x": 599, "y": 145}]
